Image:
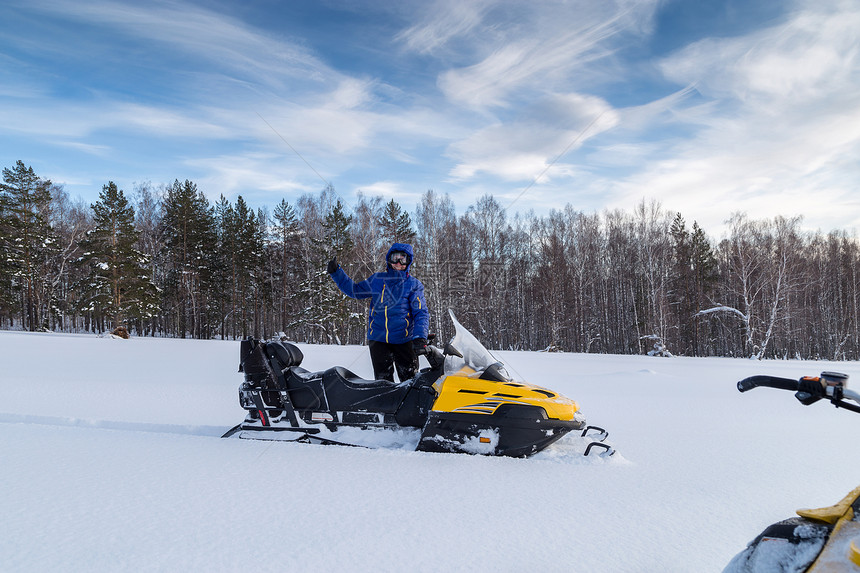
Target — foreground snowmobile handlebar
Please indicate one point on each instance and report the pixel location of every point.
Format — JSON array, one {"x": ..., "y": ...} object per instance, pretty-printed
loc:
[
  {"x": 767, "y": 381},
  {"x": 809, "y": 389}
]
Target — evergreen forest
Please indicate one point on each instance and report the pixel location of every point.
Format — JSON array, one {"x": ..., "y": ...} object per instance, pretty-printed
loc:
[{"x": 165, "y": 261}]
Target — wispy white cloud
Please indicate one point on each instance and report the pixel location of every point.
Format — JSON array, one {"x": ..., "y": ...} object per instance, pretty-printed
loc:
[
  {"x": 780, "y": 131},
  {"x": 391, "y": 190},
  {"x": 189, "y": 30},
  {"x": 530, "y": 64},
  {"x": 65, "y": 122},
  {"x": 812, "y": 55},
  {"x": 528, "y": 72},
  {"x": 254, "y": 175},
  {"x": 87, "y": 148},
  {"x": 521, "y": 150},
  {"x": 443, "y": 20},
  {"x": 538, "y": 48},
  {"x": 164, "y": 122}
]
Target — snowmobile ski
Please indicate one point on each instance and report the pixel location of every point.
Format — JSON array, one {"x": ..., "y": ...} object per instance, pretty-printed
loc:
[{"x": 598, "y": 442}]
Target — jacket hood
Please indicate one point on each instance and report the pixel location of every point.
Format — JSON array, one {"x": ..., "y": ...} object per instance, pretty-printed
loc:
[{"x": 406, "y": 248}]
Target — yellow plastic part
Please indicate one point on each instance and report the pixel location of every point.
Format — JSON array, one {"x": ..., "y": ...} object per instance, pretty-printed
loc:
[
  {"x": 841, "y": 554},
  {"x": 833, "y": 513},
  {"x": 838, "y": 555},
  {"x": 462, "y": 393},
  {"x": 854, "y": 552}
]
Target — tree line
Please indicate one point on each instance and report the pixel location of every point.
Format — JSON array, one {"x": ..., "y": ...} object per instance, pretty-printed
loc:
[{"x": 164, "y": 261}]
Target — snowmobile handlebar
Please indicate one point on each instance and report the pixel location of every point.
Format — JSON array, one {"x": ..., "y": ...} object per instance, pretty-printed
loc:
[
  {"x": 810, "y": 389},
  {"x": 767, "y": 381}
]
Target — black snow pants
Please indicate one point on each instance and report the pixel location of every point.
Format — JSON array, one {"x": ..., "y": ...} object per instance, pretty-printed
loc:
[{"x": 386, "y": 356}]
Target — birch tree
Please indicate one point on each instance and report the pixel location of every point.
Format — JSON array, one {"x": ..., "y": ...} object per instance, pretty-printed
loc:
[{"x": 759, "y": 257}]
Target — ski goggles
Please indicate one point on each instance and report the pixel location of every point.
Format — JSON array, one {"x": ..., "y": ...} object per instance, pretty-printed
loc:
[{"x": 398, "y": 257}]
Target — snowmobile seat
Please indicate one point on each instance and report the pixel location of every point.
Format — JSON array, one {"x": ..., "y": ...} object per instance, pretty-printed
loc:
[
  {"x": 351, "y": 378},
  {"x": 305, "y": 389},
  {"x": 285, "y": 353},
  {"x": 340, "y": 390},
  {"x": 345, "y": 391}
]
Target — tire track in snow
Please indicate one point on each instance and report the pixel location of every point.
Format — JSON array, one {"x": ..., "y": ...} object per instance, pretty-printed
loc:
[{"x": 187, "y": 430}]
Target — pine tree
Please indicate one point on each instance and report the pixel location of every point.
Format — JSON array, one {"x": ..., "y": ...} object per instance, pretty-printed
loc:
[
  {"x": 188, "y": 228},
  {"x": 264, "y": 291},
  {"x": 248, "y": 251},
  {"x": 705, "y": 276},
  {"x": 704, "y": 261},
  {"x": 28, "y": 242},
  {"x": 396, "y": 225},
  {"x": 236, "y": 269},
  {"x": 682, "y": 283},
  {"x": 117, "y": 282},
  {"x": 332, "y": 309},
  {"x": 222, "y": 268},
  {"x": 336, "y": 231},
  {"x": 286, "y": 244}
]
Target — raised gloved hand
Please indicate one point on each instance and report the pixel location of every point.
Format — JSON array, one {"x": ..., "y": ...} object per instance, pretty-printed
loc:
[
  {"x": 332, "y": 266},
  {"x": 419, "y": 345}
]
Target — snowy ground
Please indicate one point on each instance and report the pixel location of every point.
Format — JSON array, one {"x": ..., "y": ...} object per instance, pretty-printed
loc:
[{"x": 110, "y": 461}]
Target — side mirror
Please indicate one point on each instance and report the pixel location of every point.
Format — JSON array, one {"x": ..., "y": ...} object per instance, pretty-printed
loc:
[{"x": 451, "y": 351}]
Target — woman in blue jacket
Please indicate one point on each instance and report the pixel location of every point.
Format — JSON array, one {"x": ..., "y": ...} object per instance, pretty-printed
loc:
[{"x": 398, "y": 318}]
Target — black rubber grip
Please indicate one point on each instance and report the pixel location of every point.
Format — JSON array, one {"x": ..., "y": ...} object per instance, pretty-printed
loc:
[{"x": 768, "y": 381}]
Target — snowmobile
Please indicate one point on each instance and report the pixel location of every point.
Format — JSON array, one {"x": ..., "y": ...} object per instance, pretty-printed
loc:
[
  {"x": 817, "y": 540},
  {"x": 464, "y": 402}
]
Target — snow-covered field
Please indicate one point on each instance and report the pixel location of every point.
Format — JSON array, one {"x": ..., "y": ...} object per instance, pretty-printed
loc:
[{"x": 110, "y": 460}]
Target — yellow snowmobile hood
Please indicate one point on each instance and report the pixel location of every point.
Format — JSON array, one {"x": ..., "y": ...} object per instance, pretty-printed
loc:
[
  {"x": 842, "y": 552},
  {"x": 465, "y": 392}
]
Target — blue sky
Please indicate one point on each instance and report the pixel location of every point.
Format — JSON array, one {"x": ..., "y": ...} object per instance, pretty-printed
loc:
[{"x": 707, "y": 107}]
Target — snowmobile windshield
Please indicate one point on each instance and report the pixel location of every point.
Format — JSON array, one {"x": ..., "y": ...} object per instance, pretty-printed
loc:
[{"x": 475, "y": 356}]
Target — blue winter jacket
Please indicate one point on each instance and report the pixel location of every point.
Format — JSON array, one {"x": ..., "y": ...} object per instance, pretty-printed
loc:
[{"x": 398, "y": 312}]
